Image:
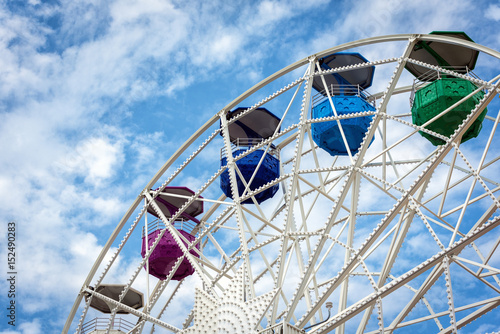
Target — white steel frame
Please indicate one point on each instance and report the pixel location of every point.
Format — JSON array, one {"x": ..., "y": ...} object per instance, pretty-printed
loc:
[{"x": 306, "y": 180}]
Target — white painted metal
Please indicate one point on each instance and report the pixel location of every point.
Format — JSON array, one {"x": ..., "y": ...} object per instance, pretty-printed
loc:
[{"x": 321, "y": 238}]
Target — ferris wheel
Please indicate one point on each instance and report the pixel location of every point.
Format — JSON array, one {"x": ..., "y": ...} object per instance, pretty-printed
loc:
[{"x": 354, "y": 191}]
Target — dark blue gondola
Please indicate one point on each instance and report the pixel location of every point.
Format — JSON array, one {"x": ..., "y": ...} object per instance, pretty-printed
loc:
[
  {"x": 348, "y": 96},
  {"x": 244, "y": 133}
]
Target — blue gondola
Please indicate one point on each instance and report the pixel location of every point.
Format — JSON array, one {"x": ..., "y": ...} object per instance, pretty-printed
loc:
[{"x": 348, "y": 96}]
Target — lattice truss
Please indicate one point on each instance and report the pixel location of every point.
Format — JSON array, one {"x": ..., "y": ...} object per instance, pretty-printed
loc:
[{"x": 401, "y": 236}]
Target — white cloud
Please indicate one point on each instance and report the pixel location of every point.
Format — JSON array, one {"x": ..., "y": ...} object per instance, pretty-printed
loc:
[
  {"x": 95, "y": 159},
  {"x": 376, "y": 18},
  {"x": 130, "y": 11},
  {"x": 24, "y": 327},
  {"x": 486, "y": 328},
  {"x": 493, "y": 12},
  {"x": 225, "y": 45},
  {"x": 145, "y": 148},
  {"x": 22, "y": 69}
]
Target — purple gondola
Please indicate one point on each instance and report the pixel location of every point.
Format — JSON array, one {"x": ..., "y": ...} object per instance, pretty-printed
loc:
[{"x": 167, "y": 252}]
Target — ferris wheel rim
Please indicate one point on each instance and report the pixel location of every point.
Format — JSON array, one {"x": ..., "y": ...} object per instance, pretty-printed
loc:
[{"x": 182, "y": 149}]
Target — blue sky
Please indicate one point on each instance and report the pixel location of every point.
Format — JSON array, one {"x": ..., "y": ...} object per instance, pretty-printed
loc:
[{"x": 96, "y": 95}]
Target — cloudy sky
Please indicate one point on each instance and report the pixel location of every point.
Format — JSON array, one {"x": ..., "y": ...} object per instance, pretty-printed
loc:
[{"x": 95, "y": 95}]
